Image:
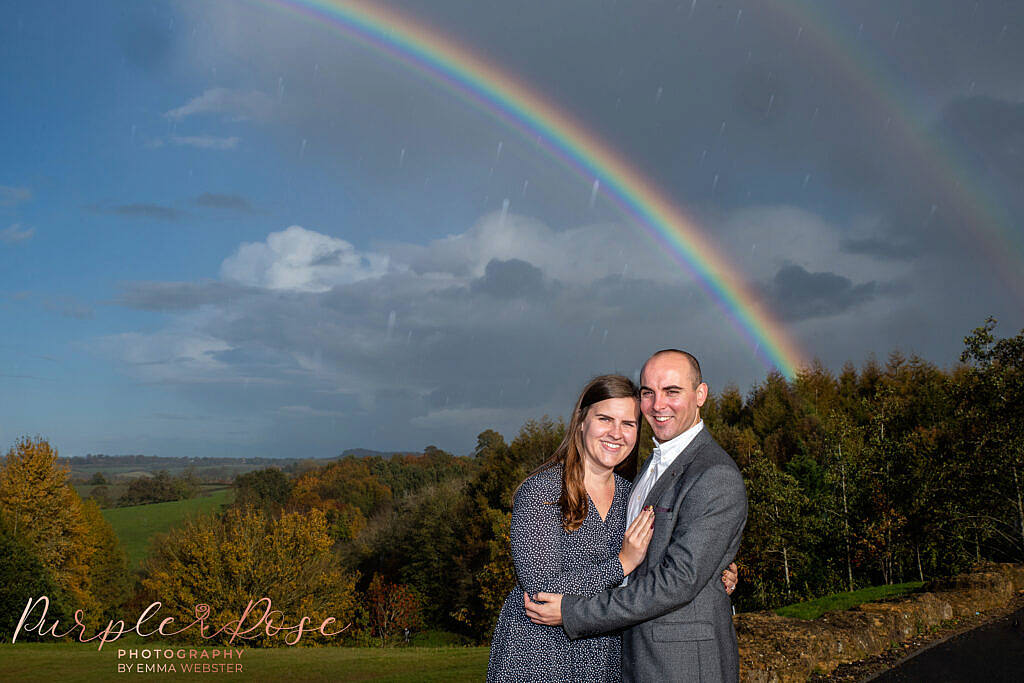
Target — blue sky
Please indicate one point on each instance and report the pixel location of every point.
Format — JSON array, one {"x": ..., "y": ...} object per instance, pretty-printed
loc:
[{"x": 225, "y": 231}]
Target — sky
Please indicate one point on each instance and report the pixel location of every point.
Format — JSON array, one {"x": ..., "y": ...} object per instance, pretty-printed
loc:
[{"x": 230, "y": 229}]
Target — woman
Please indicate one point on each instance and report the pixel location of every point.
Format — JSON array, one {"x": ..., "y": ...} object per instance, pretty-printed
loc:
[
  {"x": 569, "y": 535},
  {"x": 569, "y": 532}
]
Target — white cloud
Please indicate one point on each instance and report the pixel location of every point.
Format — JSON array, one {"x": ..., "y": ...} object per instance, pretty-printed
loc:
[
  {"x": 236, "y": 104},
  {"x": 205, "y": 141},
  {"x": 13, "y": 234},
  {"x": 301, "y": 260},
  {"x": 11, "y": 196}
]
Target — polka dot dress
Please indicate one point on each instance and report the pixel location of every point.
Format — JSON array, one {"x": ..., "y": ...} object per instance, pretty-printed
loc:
[{"x": 548, "y": 558}]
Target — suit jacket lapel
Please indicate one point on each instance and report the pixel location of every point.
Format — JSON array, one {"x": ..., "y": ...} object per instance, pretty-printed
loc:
[{"x": 677, "y": 467}]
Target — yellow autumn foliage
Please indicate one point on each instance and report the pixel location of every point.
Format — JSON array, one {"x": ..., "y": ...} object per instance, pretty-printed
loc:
[
  {"x": 42, "y": 510},
  {"x": 225, "y": 561}
]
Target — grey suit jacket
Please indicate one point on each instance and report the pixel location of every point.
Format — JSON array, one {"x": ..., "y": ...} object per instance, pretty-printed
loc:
[{"x": 675, "y": 611}]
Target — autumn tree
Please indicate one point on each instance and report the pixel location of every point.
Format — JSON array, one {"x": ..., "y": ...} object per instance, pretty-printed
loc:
[
  {"x": 109, "y": 581},
  {"x": 24, "y": 577},
  {"x": 43, "y": 511},
  {"x": 224, "y": 561},
  {"x": 392, "y": 608}
]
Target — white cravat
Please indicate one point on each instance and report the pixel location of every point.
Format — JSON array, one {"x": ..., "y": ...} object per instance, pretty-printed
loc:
[{"x": 663, "y": 455}]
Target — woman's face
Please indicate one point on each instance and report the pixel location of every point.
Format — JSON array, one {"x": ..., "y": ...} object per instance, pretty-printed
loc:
[{"x": 609, "y": 431}]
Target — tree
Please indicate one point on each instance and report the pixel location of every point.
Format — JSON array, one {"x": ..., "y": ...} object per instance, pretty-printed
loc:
[
  {"x": 393, "y": 608},
  {"x": 224, "y": 561},
  {"x": 779, "y": 528},
  {"x": 268, "y": 488},
  {"x": 23, "y": 577},
  {"x": 109, "y": 582},
  {"x": 44, "y": 512}
]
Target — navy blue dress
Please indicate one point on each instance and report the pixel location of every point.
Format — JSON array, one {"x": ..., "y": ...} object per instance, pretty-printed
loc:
[{"x": 548, "y": 558}]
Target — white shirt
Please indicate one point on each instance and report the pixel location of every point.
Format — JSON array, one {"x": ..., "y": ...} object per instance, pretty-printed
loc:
[{"x": 664, "y": 454}]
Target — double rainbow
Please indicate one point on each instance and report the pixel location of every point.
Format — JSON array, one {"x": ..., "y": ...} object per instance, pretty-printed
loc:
[{"x": 511, "y": 100}]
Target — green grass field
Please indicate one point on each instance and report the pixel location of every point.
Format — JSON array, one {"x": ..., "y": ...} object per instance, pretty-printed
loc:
[
  {"x": 812, "y": 609},
  {"x": 136, "y": 525},
  {"x": 76, "y": 662}
]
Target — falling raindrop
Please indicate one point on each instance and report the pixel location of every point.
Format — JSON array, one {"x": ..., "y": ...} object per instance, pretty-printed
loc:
[
  {"x": 408, "y": 338},
  {"x": 693, "y": 6},
  {"x": 391, "y": 323},
  {"x": 604, "y": 338},
  {"x": 703, "y": 156},
  {"x": 895, "y": 29},
  {"x": 888, "y": 120},
  {"x": 625, "y": 269},
  {"x": 504, "y": 210},
  {"x": 721, "y": 129},
  {"x": 302, "y": 148},
  {"x": 401, "y": 158},
  {"x": 799, "y": 32},
  {"x": 750, "y": 53},
  {"x": 591, "y": 329},
  {"x": 1002, "y": 33},
  {"x": 316, "y": 68},
  {"x": 814, "y": 116},
  {"x": 714, "y": 183},
  {"x": 970, "y": 90},
  {"x": 593, "y": 192},
  {"x": 280, "y": 87},
  {"x": 771, "y": 101},
  {"x": 739, "y": 15},
  {"x": 497, "y": 155},
  {"x": 860, "y": 30},
  {"x": 526, "y": 183},
  {"x": 657, "y": 95},
  {"x": 807, "y": 179}
]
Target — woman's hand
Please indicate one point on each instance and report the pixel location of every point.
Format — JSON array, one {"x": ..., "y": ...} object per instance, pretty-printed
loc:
[
  {"x": 731, "y": 577},
  {"x": 636, "y": 540}
]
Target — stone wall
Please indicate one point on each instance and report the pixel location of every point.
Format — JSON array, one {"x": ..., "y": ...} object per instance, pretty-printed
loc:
[{"x": 774, "y": 648}]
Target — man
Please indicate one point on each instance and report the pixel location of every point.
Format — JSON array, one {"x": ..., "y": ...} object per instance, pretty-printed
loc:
[{"x": 675, "y": 611}]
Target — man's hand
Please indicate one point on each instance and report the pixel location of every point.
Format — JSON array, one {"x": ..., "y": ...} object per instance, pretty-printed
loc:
[{"x": 547, "y": 611}]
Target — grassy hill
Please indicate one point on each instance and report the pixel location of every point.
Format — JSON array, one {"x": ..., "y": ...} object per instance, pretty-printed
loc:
[{"x": 136, "y": 525}]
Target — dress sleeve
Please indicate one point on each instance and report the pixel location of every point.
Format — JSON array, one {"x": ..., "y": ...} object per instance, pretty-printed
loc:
[{"x": 537, "y": 547}]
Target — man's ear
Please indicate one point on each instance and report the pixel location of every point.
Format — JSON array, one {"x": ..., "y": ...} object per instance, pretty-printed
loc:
[{"x": 702, "y": 394}]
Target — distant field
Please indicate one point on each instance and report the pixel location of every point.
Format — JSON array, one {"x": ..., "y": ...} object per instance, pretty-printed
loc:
[
  {"x": 136, "y": 525},
  {"x": 74, "y": 663},
  {"x": 812, "y": 609}
]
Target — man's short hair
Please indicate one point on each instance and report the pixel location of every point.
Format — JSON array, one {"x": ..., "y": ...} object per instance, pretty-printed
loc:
[{"x": 694, "y": 363}]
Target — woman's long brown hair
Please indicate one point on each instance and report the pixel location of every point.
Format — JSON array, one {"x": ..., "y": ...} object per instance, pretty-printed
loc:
[{"x": 569, "y": 453}]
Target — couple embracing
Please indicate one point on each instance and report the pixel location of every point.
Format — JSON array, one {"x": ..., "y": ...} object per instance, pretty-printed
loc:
[{"x": 619, "y": 580}]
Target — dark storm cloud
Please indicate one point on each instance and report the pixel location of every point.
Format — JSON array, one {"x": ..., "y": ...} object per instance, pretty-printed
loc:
[
  {"x": 799, "y": 294},
  {"x": 142, "y": 210},
  {"x": 233, "y": 202},
  {"x": 510, "y": 279}
]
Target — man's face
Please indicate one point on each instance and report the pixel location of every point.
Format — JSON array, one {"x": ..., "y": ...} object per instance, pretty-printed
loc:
[{"x": 667, "y": 397}]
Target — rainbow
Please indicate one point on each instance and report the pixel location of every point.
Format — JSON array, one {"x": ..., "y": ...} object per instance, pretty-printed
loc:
[
  {"x": 958, "y": 193},
  {"x": 512, "y": 101}
]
